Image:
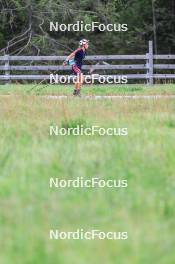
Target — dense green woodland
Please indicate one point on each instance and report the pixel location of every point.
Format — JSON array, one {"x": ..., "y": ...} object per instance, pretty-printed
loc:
[{"x": 24, "y": 26}]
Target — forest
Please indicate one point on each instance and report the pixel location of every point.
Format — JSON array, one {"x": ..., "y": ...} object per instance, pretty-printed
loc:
[{"x": 25, "y": 26}]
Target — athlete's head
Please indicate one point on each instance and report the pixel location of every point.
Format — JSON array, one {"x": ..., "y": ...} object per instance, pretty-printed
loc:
[{"x": 84, "y": 43}]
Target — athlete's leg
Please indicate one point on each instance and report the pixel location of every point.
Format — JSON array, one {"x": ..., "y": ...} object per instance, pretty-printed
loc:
[
  {"x": 78, "y": 84},
  {"x": 79, "y": 79}
]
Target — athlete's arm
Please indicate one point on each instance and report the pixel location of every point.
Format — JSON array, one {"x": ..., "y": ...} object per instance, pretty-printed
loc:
[{"x": 72, "y": 55}]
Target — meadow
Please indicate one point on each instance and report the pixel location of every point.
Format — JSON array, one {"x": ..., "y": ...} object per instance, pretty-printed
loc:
[
  {"x": 54, "y": 89},
  {"x": 29, "y": 156}
]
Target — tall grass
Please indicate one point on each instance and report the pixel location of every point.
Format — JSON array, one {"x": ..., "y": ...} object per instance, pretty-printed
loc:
[{"x": 29, "y": 157}]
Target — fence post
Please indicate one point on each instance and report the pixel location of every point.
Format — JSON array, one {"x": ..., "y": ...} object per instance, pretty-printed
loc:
[
  {"x": 150, "y": 61},
  {"x": 7, "y": 69}
]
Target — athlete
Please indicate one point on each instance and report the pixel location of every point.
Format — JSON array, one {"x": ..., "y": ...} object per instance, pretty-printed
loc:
[{"x": 75, "y": 59}]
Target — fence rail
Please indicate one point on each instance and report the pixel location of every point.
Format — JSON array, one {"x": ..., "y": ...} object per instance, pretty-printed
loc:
[{"x": 147, "y": 68}]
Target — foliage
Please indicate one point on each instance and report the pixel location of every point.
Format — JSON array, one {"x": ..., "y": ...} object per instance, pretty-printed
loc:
[{"x": 24, "y": 27}]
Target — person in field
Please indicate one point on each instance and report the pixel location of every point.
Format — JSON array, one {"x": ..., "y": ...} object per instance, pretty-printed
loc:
[{"x": 75, "y": 59}]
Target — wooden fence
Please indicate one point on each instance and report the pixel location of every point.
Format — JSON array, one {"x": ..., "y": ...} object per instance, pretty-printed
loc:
[{"x": 146, "y": 69}]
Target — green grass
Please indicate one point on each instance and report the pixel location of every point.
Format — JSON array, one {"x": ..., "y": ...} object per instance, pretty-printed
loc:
[
  {"x": 131, "y": 89},
  {"x": 29, "y": 157}
]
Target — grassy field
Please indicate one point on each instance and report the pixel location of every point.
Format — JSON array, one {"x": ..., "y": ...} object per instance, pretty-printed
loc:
[
  {"x": 140, "y": 89},
  {"x": 29, "y": 157}
]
